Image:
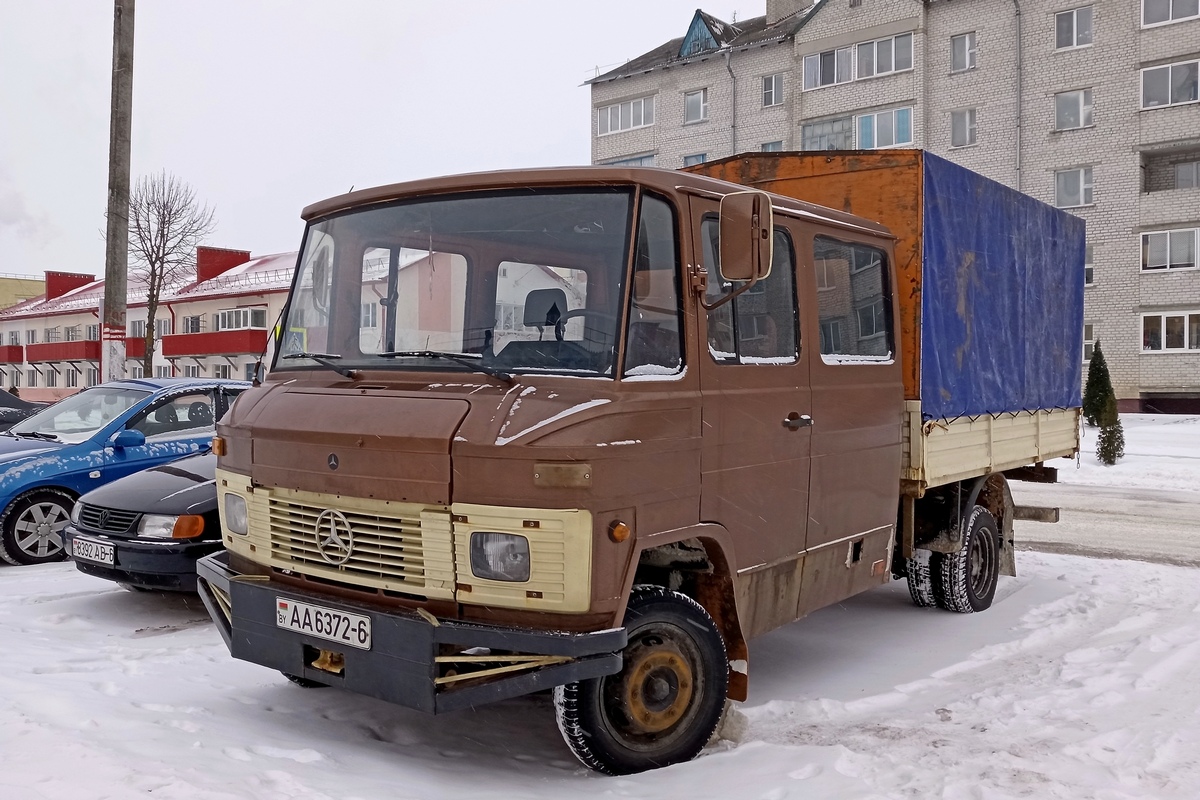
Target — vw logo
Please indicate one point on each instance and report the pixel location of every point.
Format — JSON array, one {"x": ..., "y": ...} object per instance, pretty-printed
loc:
[
  {"x": 332, "y": 461},
  {"x": 335, "y": 537},
  {"x": 103, "y": 522}
]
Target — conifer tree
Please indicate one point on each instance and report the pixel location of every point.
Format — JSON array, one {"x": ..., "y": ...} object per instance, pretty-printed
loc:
[
  {"x": 1111, "y": 444},
  {"x": 1099, "y": 386}
]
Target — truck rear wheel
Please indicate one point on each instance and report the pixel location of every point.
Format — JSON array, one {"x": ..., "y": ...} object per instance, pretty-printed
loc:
[
  {"x": 920, "y": 580},
  {"x": 966, "y": 581},
  {"x": 666, "y": 701}
]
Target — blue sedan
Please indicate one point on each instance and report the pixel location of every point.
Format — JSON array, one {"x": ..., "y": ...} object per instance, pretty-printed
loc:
[{"x": 89, "y": 439}]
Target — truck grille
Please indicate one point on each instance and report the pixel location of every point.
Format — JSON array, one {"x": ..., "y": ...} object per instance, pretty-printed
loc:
[
  {"x": 109, "y": 520},
  {"x": 389, "y": 544}
]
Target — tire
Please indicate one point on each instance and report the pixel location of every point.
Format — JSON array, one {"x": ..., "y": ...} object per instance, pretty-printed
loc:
[
  {"x": 32, "y": 525},
  {"x": 920, "y": 580},
  {"x": 966, "y": 581},
  {"x": 664, "y": 704},
  {"x": 304, "y": 683}
]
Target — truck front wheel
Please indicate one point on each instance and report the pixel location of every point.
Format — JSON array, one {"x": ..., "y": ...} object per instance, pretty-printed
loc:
[
  {"x": 966, "y": 581},
  {"x": 666, "y": 701}
]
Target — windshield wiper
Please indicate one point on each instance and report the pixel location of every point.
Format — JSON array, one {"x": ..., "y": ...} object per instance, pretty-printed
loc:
[
  {"x": 466, "y": 359},
  {"x": 49, "y": 437},
  {"x": 325, "y": 360}
]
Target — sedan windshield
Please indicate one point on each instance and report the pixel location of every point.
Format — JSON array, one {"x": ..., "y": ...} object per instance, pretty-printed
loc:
[
  {"x": 76, "y": 418},
  {"x": 491, "y": 283}
]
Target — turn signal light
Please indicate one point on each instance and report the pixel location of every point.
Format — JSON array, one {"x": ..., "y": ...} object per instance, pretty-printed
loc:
[
  {"x": 218, "y": 446},
  {"x": 188, "y": 526},
  {"x": 618, "y": 531}
]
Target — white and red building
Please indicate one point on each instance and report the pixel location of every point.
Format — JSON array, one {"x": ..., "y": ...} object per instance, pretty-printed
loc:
[{"x": 216, "y": 325}]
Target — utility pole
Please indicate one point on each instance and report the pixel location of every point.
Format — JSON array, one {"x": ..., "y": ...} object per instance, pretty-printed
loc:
[{"x": 116, "y": 255}]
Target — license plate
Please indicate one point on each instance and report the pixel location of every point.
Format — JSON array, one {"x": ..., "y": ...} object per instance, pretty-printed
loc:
[
  {"x": 324, "y": 623},
  {"x": 98, "y": 552}
]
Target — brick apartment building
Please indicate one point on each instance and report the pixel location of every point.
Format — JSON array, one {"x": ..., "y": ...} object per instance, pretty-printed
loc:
[{"x": 1092, "y": 107}]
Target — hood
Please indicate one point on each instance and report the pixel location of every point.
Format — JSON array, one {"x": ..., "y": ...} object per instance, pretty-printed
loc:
[
  {"x": 13, "y": 447},
  {"x": 186, "y": 486}
]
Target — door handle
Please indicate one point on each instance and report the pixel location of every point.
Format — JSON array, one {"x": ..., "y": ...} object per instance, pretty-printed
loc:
[{"x": 796, "y": 421}]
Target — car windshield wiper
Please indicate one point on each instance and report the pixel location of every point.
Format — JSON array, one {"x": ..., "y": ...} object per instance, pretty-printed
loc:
[
  {"x": 325, "y": 360},
  {"x": 468, "y": 360},
  {"x": 49, "y": 437}
]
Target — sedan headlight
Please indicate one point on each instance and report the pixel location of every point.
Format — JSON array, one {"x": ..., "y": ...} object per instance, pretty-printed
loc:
[
  {"x": 157, "y": 526},
  {"x": 75, "y": 509},
  {"x": 500, "y": 556},
  {"x": 235, "y": 513}
]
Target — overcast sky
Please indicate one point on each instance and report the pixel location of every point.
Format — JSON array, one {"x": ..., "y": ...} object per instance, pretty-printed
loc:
[{"x": 265, "y": 106}]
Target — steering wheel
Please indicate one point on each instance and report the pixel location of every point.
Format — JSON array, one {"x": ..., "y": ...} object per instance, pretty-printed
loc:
[{"x": 560, "y": 326}]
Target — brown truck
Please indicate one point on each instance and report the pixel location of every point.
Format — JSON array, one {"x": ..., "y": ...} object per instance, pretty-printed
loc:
[{"x": 593, "y": 429}]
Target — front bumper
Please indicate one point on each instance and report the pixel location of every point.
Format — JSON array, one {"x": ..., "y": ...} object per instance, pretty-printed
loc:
[
  {"x": 410, "y": 657},
  {"x": 162, "y": 564}
]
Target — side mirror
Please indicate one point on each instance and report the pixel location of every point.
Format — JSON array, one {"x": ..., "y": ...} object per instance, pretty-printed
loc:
[
  {"x": 746, "y": 236},
  {"x": 129, "y": 438}
]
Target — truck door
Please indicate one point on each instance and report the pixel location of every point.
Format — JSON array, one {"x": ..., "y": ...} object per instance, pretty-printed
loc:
[{"x": 755, "y": 422}]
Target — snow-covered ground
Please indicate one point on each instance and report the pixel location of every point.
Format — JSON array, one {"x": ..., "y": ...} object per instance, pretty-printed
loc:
[{"x": 1082, "y": 681}]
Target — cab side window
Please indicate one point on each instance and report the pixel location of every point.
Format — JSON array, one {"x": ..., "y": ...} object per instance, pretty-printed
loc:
[
  {"x": 854, "y": 302},
  {"x": 759, "y": 326},
  {"x": 189, "y": 412},
  {"x": 653, "y": 339}
]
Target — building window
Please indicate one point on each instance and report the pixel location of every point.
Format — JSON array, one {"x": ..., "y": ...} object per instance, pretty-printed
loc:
[
  {"x": 773, "y": 90},
  {"x": 51, "y": 379},
  {"x": 828, "y": 68},
  {"x": 1089, "y": 269},
  {"x": 192, "y": 324},
  {"x": 137, "y": 372},
  {"x": 1169, "y": 249},
  {"x": 162, "y": 327},
  {"x": 30, "y": 337},
  {"x": 240, "y": 319},
  {"x": 93, "y": 376},
  {"x": 254, "y": 371},
  {"x": 1170, "y": 85},
  {"x": 962, "y": 128},
  {"x": 962, "y": 52},
  {"x": 162, "y": 372},
  {"x": 635, "y": 161},
  {"x": 1073, "y": 110},
  {"x": 16, "y": 378},
  {"x": 72, "y": 379},
  {"x": 695, "y": 158},
  {"x": 1187, "y": 175},
  {"x": 51, "y": 335},
  {"x": 370, "y": 316},
  {"x": 1073, "y": 28},
  {"x": 695, "y": 106},
  {"x": 71, "y": 333},
  {"x": 871, "y": 320},
  {"x": 884, "y": 56},
  {"x": 1073, "y": 187},
  {"x": 92, "y": 333},
  {"x": 772, "y": 147},
  {"x": 625, "y": 116},
  {"x": 191, "y": 371},
  {"x": 1089, "y": 343},
  {"x": 222, "y": 371},
  {"x": 1159, "y": 12},
  {"x": 833, "y": 134},
  {"x": 33, "y": 375},
  {"x": 885, "y": 129},
  {"x": 14, "y": 338},
  {"x": 1179, "y": 330},
  {"x": 137, "y": 329}
]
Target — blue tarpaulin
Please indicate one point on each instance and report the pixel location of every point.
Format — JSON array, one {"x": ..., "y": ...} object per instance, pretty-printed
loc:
[{"x": 1002, "y": 298}]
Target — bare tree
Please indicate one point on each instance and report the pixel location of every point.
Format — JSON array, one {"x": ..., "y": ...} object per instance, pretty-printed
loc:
[{"x": 166, "y": 222}]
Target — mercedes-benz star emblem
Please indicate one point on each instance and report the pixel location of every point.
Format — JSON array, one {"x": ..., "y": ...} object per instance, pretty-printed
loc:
[
  {"x": 335, "y": 537},
  {"x": 332, "y": 461}
]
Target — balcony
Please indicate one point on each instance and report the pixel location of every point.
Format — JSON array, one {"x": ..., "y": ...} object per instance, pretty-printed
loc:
[
  {"x": 135, "y": 347},
  {"x": 12, "y": 354},
  {"x": 81, "y": 350},
  {"x": 222, "y": 343}
]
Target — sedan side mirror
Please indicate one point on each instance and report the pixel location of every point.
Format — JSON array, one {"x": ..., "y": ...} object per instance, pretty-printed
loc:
[{"x": 129, "y": 438}]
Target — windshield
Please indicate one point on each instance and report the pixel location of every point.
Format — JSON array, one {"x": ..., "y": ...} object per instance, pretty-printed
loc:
[
  {"x": 514, "y": 281},
  {"x": 75, "y": 418}
]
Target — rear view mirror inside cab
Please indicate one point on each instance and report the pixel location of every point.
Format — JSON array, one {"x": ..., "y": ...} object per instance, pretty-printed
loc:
[{"x": 746, "y": 240}]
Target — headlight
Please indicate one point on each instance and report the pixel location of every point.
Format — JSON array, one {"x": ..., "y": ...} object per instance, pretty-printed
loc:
[
  {"x": 500, "y": 556},
  {"x": 75, "y": 514},
  {"x": 235, "y": 513},
  {"x": 157, "y": 526}
]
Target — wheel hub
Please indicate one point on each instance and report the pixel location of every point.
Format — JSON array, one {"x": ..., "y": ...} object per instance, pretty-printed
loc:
[{"x": 658, "y": 690}]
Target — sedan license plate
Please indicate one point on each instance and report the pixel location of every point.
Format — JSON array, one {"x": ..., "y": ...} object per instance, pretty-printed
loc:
[
  {"x": 87, "y": 550},
  {"x": 324, "y": 623}
]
